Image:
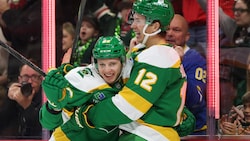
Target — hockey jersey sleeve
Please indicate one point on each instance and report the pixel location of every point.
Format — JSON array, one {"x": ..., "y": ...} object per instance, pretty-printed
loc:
[
  {"x": 49, "y": 119},
  {"x": 87, "y": 87}
]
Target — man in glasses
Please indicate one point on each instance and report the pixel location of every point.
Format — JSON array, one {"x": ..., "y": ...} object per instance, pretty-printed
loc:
[{"x": 28, "y": 99}]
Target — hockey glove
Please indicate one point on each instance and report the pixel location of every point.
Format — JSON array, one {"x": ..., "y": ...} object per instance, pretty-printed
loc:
[
  {"x": 78, "y": 120},
  {"x": 56, "y": 89},
  {"x": 187, "y": 126},
  {"x": 65, "y": 68}
]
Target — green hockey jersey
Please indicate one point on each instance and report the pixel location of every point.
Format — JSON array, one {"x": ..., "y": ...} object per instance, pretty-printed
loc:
[
  {"x": 93, "y": 89},
  {"x": 152, "y": 100}
]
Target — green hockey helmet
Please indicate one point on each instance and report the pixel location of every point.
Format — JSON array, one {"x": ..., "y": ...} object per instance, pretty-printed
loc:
[
  {"x": 109, "y": 47},
  {"x": 161, "y": 10}
]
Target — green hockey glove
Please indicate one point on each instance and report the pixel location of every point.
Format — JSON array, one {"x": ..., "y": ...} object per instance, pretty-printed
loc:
[
  {"x": 56, "y": 89},
  {"x": 187, "y": 126},
  {"x": 65, "y": 68},
  {"x": 78, "y": 120}
]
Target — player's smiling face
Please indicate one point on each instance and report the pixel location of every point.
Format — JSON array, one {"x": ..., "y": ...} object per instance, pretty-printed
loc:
[
  {"x": 109, "y": 69},
  {"x": 138, "y": 24}
]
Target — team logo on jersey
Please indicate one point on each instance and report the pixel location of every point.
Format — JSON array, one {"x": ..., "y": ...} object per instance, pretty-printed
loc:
[
  {"x": 99, "y": 96},
  {"x": 118, "y": 86},
  {"x": 85, "y": 72}
]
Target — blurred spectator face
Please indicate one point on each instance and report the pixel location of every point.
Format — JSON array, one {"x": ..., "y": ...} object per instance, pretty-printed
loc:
[
  {"x": 177, "y": 32},
  {"x": 246, "y": 111},
  {"x": 87, "y": 31},
  {"x": 241, "y": 13},
  {"x": 67, "y": 40},
  {"x": 27, "y": 74}
]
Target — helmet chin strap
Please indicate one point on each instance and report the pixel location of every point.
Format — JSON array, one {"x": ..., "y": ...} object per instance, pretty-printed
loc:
[{"x": 146, "y": 35}]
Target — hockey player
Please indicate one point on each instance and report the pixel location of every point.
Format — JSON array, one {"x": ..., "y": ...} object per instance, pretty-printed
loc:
[
  {"x": 151, "y": 102},
  {"x": 82, "y": 85}
]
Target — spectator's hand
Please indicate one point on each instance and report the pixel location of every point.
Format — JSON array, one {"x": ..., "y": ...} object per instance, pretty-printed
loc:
[
  {"x": 246, "y": 131},
  {"x": 179, "y": 50},
  {"x": 15, "y": 93},
  {"x": 238, "y": 112},
  {"x": 226, "y": 126}
]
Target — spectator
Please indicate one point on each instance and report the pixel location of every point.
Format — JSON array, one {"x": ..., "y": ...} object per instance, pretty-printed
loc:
[
  {"x": 5, "y": 127},
  {"x": 28, "y": 99},
  {"x": 21, "y": 25},
  {"x": 240, "y": 37},
  {"x": 89, "y": 33},
  {"x": 196, "y": 18},
  {"x": 68, "y": 36},
  {"x": 68, "y": 32},
  {"x": 237, "y": 31},
  {"x": 4, "y": 62},
  {"x": 177, "y": 4},
  {"x": 111, "y": 23},
  {"x": 237, "y": 121},
  {"x": 125, "y": 33},
  {"x": 195, "y": 68},
  {"x": 150, "y": 103},
  {"x": 108, "y": 24}
]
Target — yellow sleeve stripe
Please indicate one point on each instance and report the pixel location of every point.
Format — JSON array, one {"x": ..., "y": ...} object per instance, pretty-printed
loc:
[
  {"x": 101, "y": 87},
  {"x": 177, "y": 64},
  {"x": 59, "y": 135},
  {"x": 135, "y": 100},
  {"x": 67, "y": 112}
]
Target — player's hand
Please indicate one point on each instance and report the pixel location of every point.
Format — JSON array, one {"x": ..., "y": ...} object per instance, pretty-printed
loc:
[
  {"x": 64, "y": 68},
  {"x": 79, "y": 119},
  {"x": 56, "y": 89},
  {"x": 187, "y": 126}
]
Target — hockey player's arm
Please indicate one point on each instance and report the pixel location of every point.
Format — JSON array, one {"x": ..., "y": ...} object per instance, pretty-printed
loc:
[
  {"x": 56, "y": 89},
  {"x": 128, "y": 105},
  {"x": 49, "y": 118}
]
